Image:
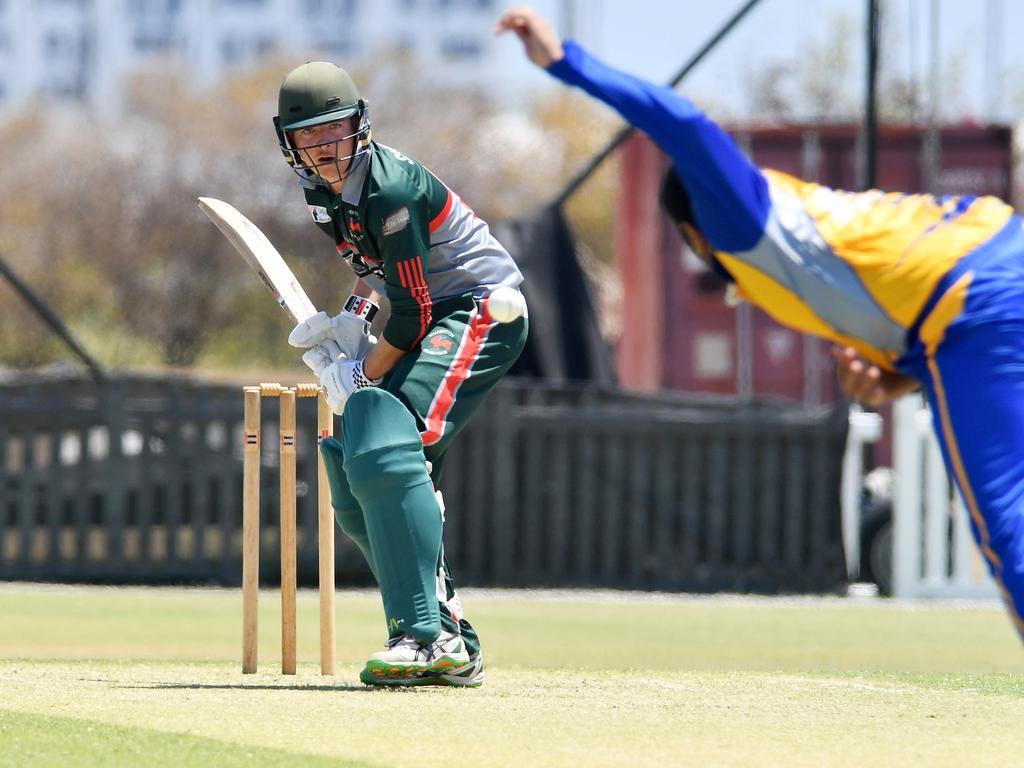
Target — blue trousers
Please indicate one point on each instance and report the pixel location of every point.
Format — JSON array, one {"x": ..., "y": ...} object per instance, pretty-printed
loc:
[{"x": 969, "y": 354}]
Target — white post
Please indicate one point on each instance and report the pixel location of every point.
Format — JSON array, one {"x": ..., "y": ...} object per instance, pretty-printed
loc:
[
  {"x": 864, "y": 428},
  {"x": 906, "y": 533},
  {"x": 929, "y": 519},
  {"x": 965, "y": 552},
  {"x": 936, "y": 513}
]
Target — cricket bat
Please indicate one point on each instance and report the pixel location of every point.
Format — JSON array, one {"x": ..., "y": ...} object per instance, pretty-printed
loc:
[{"x": 261, "y": 255}]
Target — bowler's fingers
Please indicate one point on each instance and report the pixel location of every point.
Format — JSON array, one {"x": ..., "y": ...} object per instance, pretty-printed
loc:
[
  {"x": 516, "y": 20},
  {"x": 859, "y": 379},
  {"x": 842, "y": 354},
  {"x": 543, "y": 47}
]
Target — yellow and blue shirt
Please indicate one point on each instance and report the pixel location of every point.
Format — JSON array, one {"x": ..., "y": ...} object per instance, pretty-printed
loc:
[
  {"x": 932, "y": 287},
  {"x": 854, "y": 268}
]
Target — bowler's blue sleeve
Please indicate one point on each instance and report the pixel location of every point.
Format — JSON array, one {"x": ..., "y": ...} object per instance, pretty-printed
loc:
[{"x": 729, "y": 195}]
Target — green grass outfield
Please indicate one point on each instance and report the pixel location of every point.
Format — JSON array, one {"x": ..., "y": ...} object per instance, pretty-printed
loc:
[{"x": 139, "y": 677}]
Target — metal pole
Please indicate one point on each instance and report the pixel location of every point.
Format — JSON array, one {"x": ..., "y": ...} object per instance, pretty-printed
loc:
[
  {"x": 932, "y": 145},
  {"x": 569, "y": 18},
  {"x": 912, "y": 69},
  {"x": 870, "y": 98},
  {"x": 48, "y": 316},
  {"x": 993, "y": 58},
  {"x": 577, "y": 181}
]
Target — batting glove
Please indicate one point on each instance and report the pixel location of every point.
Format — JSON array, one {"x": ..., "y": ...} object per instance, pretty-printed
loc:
[
  {"x": 349, "y": 329},
  {"x": 321, "y": 356},
  {"x": 341, "y": 379}
]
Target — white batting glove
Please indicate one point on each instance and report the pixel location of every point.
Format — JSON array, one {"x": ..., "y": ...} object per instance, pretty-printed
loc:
[
  {"x": 341, "y": 379},
  {"x": 311, "y": 331},
  {"x": 349, "y": 329},
  {"x": 320, "y": 356}
]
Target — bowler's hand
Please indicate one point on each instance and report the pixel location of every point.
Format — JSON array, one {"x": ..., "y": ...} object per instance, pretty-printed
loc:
[
  {"x": 542, "y": 45},
  {"x": 865, "y": 382}
]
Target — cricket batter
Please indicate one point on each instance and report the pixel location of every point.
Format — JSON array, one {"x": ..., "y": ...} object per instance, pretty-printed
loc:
[
  {"x": 412, "y": 240},
  {"x": 915, "y": 291}
]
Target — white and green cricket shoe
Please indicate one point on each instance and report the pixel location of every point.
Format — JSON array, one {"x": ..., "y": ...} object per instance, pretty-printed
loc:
[
  {"x": 407, "y": 661},
  {"x": 469, "y": 675}
]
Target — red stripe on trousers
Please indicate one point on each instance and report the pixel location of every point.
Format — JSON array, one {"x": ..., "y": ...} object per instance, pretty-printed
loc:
[{"x": 459, "y": 371}]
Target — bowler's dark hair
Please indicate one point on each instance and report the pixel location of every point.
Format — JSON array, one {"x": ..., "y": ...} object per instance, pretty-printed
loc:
[{"x": 674, "y": 199}]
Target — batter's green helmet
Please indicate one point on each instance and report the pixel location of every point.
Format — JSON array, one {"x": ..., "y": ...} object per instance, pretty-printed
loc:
[{"x": 316, "y": 92}]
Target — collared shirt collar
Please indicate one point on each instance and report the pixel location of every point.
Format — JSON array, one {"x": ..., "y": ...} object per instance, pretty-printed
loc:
[{"x": 352, "y": 187}]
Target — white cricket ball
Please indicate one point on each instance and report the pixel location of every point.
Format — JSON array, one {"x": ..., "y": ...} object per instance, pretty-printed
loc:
[{"x": 505, "y": 304}]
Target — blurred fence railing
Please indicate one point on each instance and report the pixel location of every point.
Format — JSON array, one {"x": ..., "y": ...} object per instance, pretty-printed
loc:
[{"x": 139, "y": 480}]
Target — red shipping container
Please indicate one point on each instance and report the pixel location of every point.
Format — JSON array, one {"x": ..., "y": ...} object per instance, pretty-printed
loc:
[{"x": 678, "y": 332}]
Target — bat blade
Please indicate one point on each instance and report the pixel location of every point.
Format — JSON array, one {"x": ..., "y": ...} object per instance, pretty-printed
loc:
[{"x": 261, "y": 255}]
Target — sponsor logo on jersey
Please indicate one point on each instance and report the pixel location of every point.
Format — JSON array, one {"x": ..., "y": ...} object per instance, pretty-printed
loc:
[
  {"x": 401, "y": 157},
  {"x": 396, "y": 221},
  {"x": 360, "y": 264},
  {"x": 355, "y": 226},
  {"x": 319, "y": 214},
  {"x": 439, "y": 341}
]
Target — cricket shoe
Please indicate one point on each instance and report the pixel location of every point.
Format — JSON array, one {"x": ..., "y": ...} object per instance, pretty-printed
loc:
[
  {"x": 469, "y": 675},
  {"x": 408, "y": 661}
]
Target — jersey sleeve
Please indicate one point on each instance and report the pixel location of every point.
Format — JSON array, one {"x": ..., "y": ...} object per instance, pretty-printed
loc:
[
  {"x": 728, "y": 194},
  {"x": 398, "y": 220}
]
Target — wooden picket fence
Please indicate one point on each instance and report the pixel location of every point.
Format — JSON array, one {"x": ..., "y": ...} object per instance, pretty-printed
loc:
[{"x": 139, "y": 480}]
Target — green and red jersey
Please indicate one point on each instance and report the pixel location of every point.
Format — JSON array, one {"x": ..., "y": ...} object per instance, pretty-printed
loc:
[{"x": 410, "y": 238}]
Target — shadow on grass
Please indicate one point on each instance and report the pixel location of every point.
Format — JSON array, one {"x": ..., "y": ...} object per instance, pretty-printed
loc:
[
  {"x": 340, "y": 688},
  {"x": 245, "y": 687}
]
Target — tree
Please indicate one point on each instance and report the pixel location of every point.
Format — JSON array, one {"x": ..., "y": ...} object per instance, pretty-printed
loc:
[
  {"x": 110, "y": 234},
  {"x": 809, "y": 86}
]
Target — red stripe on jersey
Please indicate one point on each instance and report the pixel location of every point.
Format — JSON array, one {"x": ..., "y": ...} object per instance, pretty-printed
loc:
[
  {"x": 417, "y": 268},
  {"x": 426, "y": 305},
  {"x": 410, "y": 274},
  {"x": 438, "y": 220},
  {"x": 469, "y": 350}
]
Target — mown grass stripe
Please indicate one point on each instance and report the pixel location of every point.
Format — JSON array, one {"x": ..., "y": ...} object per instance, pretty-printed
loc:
[{"x": 43, "y": 740}]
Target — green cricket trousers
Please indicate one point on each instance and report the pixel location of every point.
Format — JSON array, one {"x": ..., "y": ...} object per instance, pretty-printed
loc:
[{"x": 382, "y": 495}]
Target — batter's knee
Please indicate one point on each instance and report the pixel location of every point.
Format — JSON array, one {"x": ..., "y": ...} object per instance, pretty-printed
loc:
[
  {"x": 347, "y": 512},
  {"x": 376, "y": 419},
  {"x": 381, "y": 444},
  {"x": 344, "y": 503}
]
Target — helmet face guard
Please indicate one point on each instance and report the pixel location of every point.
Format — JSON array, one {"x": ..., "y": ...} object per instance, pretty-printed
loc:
[{"x": 303, "y": 161}]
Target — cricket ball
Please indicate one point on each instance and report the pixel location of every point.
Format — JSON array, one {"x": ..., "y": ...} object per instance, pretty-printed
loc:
[{"x": 505, "y": 304}]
